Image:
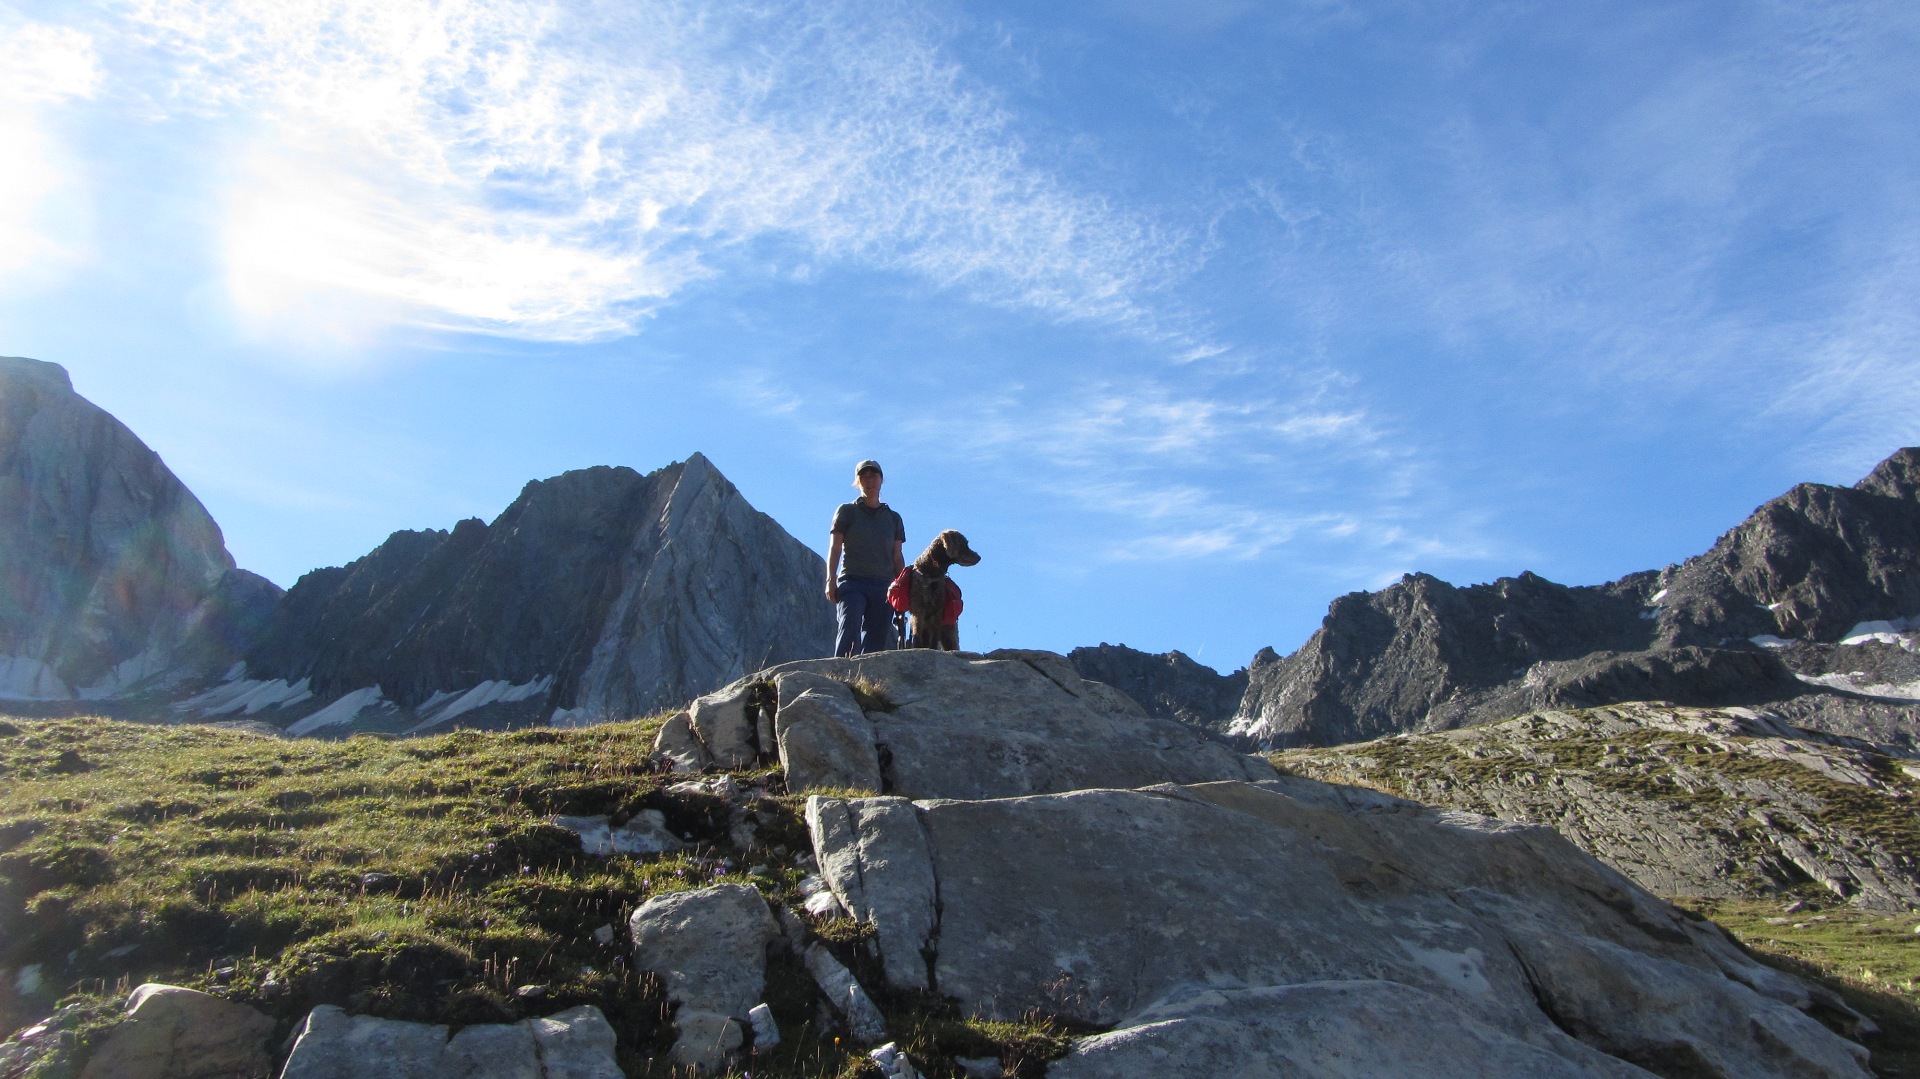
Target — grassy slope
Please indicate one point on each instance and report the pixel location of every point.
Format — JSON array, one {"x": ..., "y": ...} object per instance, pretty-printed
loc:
[{"x": 414, "y": 879}]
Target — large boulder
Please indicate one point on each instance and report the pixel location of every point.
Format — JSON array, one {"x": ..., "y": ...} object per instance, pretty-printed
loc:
[
  {"x": 1110, "y": 907},
  {"x": 577, "y": 1043},
  {"x": 964, "y": 725},
  {"x": 176, "y": 1033},
  {"x": 824, "y": 739},
  {"x": 332, "y": 1044},
  {"x": 709, "y": 947}
]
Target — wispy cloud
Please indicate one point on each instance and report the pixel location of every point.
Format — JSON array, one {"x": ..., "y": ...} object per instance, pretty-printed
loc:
[
  {"x": 46, "y": 66},
  {"x": 557, "y": 171}
]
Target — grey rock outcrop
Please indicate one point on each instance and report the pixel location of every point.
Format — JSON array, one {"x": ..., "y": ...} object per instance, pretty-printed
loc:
[
  {"x": 598, "y": 594},
  {"x": 117, "y": 579},
  {"x": 577, "y": 1043},
  {"x": 824, "y": 739},
  {"x": 332, "y": 1044},
  {"x": 1741, "y": 624},
  {"x": 964, "y": 725},
  {"x": 176, "y": 1033},
  {"x": 1686, "y": 801},
  {"x": 709, "y": 947},
  {"x": 1277, "y": 914},
  {"x": 1170, "y": 685}
]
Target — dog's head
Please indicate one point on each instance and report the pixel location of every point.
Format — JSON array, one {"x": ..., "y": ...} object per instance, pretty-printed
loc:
[{"x": 951, "y": 547}]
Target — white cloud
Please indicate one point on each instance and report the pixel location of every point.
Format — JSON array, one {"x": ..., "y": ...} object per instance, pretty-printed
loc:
[
  {"x": 556, "y": 171},
  {"x": 45, "y": 66}
]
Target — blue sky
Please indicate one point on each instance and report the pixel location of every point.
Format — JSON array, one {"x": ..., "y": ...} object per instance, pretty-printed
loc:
[{"x": 1193, "y": 316}]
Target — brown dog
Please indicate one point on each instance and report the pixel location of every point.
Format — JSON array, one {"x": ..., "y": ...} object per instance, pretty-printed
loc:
[{"x": 927, "y": 591}]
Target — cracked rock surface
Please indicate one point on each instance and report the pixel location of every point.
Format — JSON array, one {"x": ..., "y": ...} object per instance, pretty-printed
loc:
[
  {"x": 965, "y": 725},
  {"x": 1122, "y": 908}
]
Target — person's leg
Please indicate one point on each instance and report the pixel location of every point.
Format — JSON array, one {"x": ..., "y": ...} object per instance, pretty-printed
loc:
[
  {"x": 879, "y": 622},
  {"x": 849, "y": 612}
]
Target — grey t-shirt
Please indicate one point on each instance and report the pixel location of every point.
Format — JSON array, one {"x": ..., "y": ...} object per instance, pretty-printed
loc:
[{"x": 867, "y": 537}]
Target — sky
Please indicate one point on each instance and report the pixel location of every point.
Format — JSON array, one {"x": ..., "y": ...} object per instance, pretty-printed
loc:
[{"x": 1191, "y": 316}]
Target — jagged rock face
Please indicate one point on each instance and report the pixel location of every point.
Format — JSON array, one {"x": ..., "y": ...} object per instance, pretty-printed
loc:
[
  {"x": 1425, "y": 651},
  {"x": 601, "y": 594},
  {"x": 1169, "y": 685},
  {"x": 1686, "y": 801},
  {"x": 1810, "y": 564},
  {"x": 111, "y": 572},
  {"x": 1424, "y": 655}
]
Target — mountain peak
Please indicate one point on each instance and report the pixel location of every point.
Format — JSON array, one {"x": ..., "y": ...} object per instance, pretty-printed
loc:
[
  {"x": 1896, "y": 477},
  {"x": 37, "y": 370}
]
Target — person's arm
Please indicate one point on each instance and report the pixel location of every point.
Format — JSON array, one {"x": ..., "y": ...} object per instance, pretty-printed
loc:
[
  {"x": 899, "y": 557},
  {"x": 833, "y": 568}
]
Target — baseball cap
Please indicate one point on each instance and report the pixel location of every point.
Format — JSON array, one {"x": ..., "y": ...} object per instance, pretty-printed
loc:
[{"x": 864, "y": 466}]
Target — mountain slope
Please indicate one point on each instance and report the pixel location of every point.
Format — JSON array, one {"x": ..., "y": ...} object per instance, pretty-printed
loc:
[
  {"x": 1169, "y": 685},
  {"x": 112, "y": 574},
  {"x": 1774, "y": 612},
  {"x": 1727, "y": 803},
  {"x": 601, "y": 593}
]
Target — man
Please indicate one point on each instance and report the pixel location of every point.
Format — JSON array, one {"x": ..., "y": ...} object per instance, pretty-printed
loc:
[{"x": 870, "y": 534}]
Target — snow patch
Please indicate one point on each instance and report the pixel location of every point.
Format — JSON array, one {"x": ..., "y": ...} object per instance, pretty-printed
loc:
[
  {"x": 23, "y": 678},
  {"x": 125, "y": 673},
  {"x": 433, "y": 712},
  {"x": 1655, "y": 599},
  {"x": 1885, "y": 631},
  {"x": 1768, "y": 640},
  {"x": 1900, "y": 691},
  {"x": 247, "y": 696},
  {"x": 341, "y": 711}
]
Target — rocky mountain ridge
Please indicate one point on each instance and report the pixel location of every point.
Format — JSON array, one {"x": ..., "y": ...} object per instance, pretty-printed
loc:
[
  {"x": 1170, "y": 685},
  {"x": 1811, "y": 606},
  {"x": 598, "y": 594},
  {"x": 113, "y": 577}
]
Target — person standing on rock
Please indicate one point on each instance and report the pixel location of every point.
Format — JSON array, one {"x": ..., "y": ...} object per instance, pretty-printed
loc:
[{"x": 870, "y": 535}]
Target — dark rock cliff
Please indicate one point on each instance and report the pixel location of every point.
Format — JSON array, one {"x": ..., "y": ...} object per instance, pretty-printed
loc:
[
  {"x": 1757, "y": 618},
  {"x": 112, "y": 575},
  {"x": 613, "y": 593},
  {"x": 1169, "y": 685}
]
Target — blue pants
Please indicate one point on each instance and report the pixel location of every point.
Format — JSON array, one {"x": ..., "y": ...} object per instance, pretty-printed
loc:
[{"x": 866, "y": 622}]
